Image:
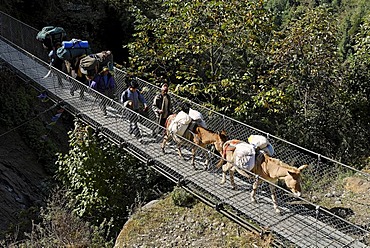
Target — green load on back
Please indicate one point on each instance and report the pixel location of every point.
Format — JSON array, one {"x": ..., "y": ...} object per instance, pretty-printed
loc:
[{"x": 51, "y": 35}]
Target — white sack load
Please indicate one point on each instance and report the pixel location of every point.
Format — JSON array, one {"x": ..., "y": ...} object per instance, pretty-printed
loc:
[
  {"x": 262, "y": 143},
  {"x": 244, "y": 156},
  {"x": 198, "y": 117},
  {"x": 180, "y": 123}
]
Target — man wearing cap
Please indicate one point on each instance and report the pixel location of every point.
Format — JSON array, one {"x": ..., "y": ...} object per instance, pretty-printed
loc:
[
  {"x": 162, "y": 107},
  {"x": 132, "y": 93},
  {"x": 104, "y": 83}
]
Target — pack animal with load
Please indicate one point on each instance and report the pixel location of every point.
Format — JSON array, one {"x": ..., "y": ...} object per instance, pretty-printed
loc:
[
  {"x": 178, "y": 125},
  {"x": 247, "y": 154},
  {"x": 268, "y": 168}
]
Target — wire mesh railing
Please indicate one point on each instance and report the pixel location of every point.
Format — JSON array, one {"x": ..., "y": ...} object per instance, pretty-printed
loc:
[{"x": 303, "y": 222}]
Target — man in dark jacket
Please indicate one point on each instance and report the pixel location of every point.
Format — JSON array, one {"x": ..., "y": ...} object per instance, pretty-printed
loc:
[{"x": 162, "y": 107}]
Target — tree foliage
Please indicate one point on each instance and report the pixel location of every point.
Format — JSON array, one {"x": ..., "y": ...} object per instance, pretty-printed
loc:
[
  {"x": 308, "y": 90},
  {"x": 204, "y": 47},
  {"x": 284, "y": 76},
  {"x": 304, "y": 64},
  {"x": 60, "y": 227},
  {"x": 357, "y": 94},
  {"x": 104, "y": 181}
]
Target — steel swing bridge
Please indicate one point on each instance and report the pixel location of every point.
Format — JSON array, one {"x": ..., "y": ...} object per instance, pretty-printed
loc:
[{"x": 301, "y": 224}]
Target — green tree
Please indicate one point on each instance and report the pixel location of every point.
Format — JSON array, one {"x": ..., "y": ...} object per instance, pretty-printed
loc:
[
  {"x": 357, "y": 94},
  {"x": 304, "y": 82},
  {"x": 104, "y": 181},
  {"x": 212, "y": 50},
  {"x": 351, "y": 14}
]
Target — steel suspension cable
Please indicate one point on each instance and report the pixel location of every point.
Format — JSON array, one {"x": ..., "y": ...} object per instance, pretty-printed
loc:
[{"x": 29, "y": 120}]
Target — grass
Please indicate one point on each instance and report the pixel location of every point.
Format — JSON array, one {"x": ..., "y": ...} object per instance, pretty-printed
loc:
[{"x": 167, "y": 224}]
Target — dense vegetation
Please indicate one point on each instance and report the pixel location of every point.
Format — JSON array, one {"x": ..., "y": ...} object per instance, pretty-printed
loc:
[
  {"x": 25, "y": 116},
  {"x": 105, "y": 182},
  {"x": 297, "y": 69}
]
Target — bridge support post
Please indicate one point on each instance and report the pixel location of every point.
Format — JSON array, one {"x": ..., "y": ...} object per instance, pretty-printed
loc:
[{"x": 219, "y": 206}]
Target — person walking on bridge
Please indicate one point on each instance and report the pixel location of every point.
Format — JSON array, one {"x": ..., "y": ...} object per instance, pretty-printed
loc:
[
  {"x": 56, "y": 62},
  {"x": 162, "y": 108},
  {"x": 132, "y": 93},
  {"x": 104, "y": 83}
]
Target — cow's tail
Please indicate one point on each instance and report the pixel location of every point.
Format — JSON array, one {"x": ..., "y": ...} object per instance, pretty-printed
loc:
[{"x": 222, "y": 160}]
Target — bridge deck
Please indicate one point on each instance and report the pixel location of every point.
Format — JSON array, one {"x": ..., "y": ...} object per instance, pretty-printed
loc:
[{"x": 303, "y": 228}]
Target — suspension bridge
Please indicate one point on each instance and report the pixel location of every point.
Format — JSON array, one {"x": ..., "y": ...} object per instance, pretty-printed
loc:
[{"x": 301, "y": 223}]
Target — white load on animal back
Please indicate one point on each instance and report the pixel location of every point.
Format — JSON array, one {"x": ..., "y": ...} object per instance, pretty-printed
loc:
[
  {"x": 262, "y": 143},
  {"x": 244, "y": 156},
  {"x": 180, "y": 123},
  {"x": 198, "y": 117}
]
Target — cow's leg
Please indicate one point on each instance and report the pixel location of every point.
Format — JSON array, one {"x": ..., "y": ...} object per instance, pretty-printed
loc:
[
  {"x": 193, "y": 150},
  {"x": 220, "y": 163},
  {"x": 164, "y": 141},
  {"x": 206, "y": 163},
  {"x": 274, "y": 199},
  {"x": 179, "y": 151},
  {"x": 232, "y": 181},
  {"x": 254, "y": 190},
  {"x": 225, "y": 168}
]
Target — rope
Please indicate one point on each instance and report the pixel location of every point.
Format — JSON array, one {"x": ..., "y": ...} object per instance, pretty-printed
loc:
[
  {"x": 317, "y": 212},
  {"x": 29, "y": 120}
]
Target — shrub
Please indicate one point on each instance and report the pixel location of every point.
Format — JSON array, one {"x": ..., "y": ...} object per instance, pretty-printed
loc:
[
  {"x": 182, "y": 198},
  {"x": 60, "y": 227}
]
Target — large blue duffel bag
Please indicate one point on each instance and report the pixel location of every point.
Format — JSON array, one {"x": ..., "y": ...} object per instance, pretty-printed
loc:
[
  {"x": 73, "y": 49},
  {"x": 75, "y": 43}
]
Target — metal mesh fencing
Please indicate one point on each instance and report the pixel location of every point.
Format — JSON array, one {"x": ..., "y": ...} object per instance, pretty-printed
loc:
[
  {"x": 302, "y": 223},
  {"x": 21, "y": 35}
]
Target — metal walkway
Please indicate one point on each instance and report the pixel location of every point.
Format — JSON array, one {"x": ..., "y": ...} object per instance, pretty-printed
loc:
[{"x": 301, "y": 224}]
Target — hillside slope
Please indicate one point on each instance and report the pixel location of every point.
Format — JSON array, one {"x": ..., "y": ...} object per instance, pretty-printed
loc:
[
  {"x": 21, "y": 179},
  {"x": 27, "y": 152},
  {"x": 163, "y": 224}
]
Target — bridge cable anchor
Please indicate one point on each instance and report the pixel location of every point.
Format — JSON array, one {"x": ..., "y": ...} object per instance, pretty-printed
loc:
[
  {"x": 150, "y": 162},
  {"x": 219, "y": 206},
  {"x": 180, "y": 182},
  {"x": 123, "y": 144}
]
